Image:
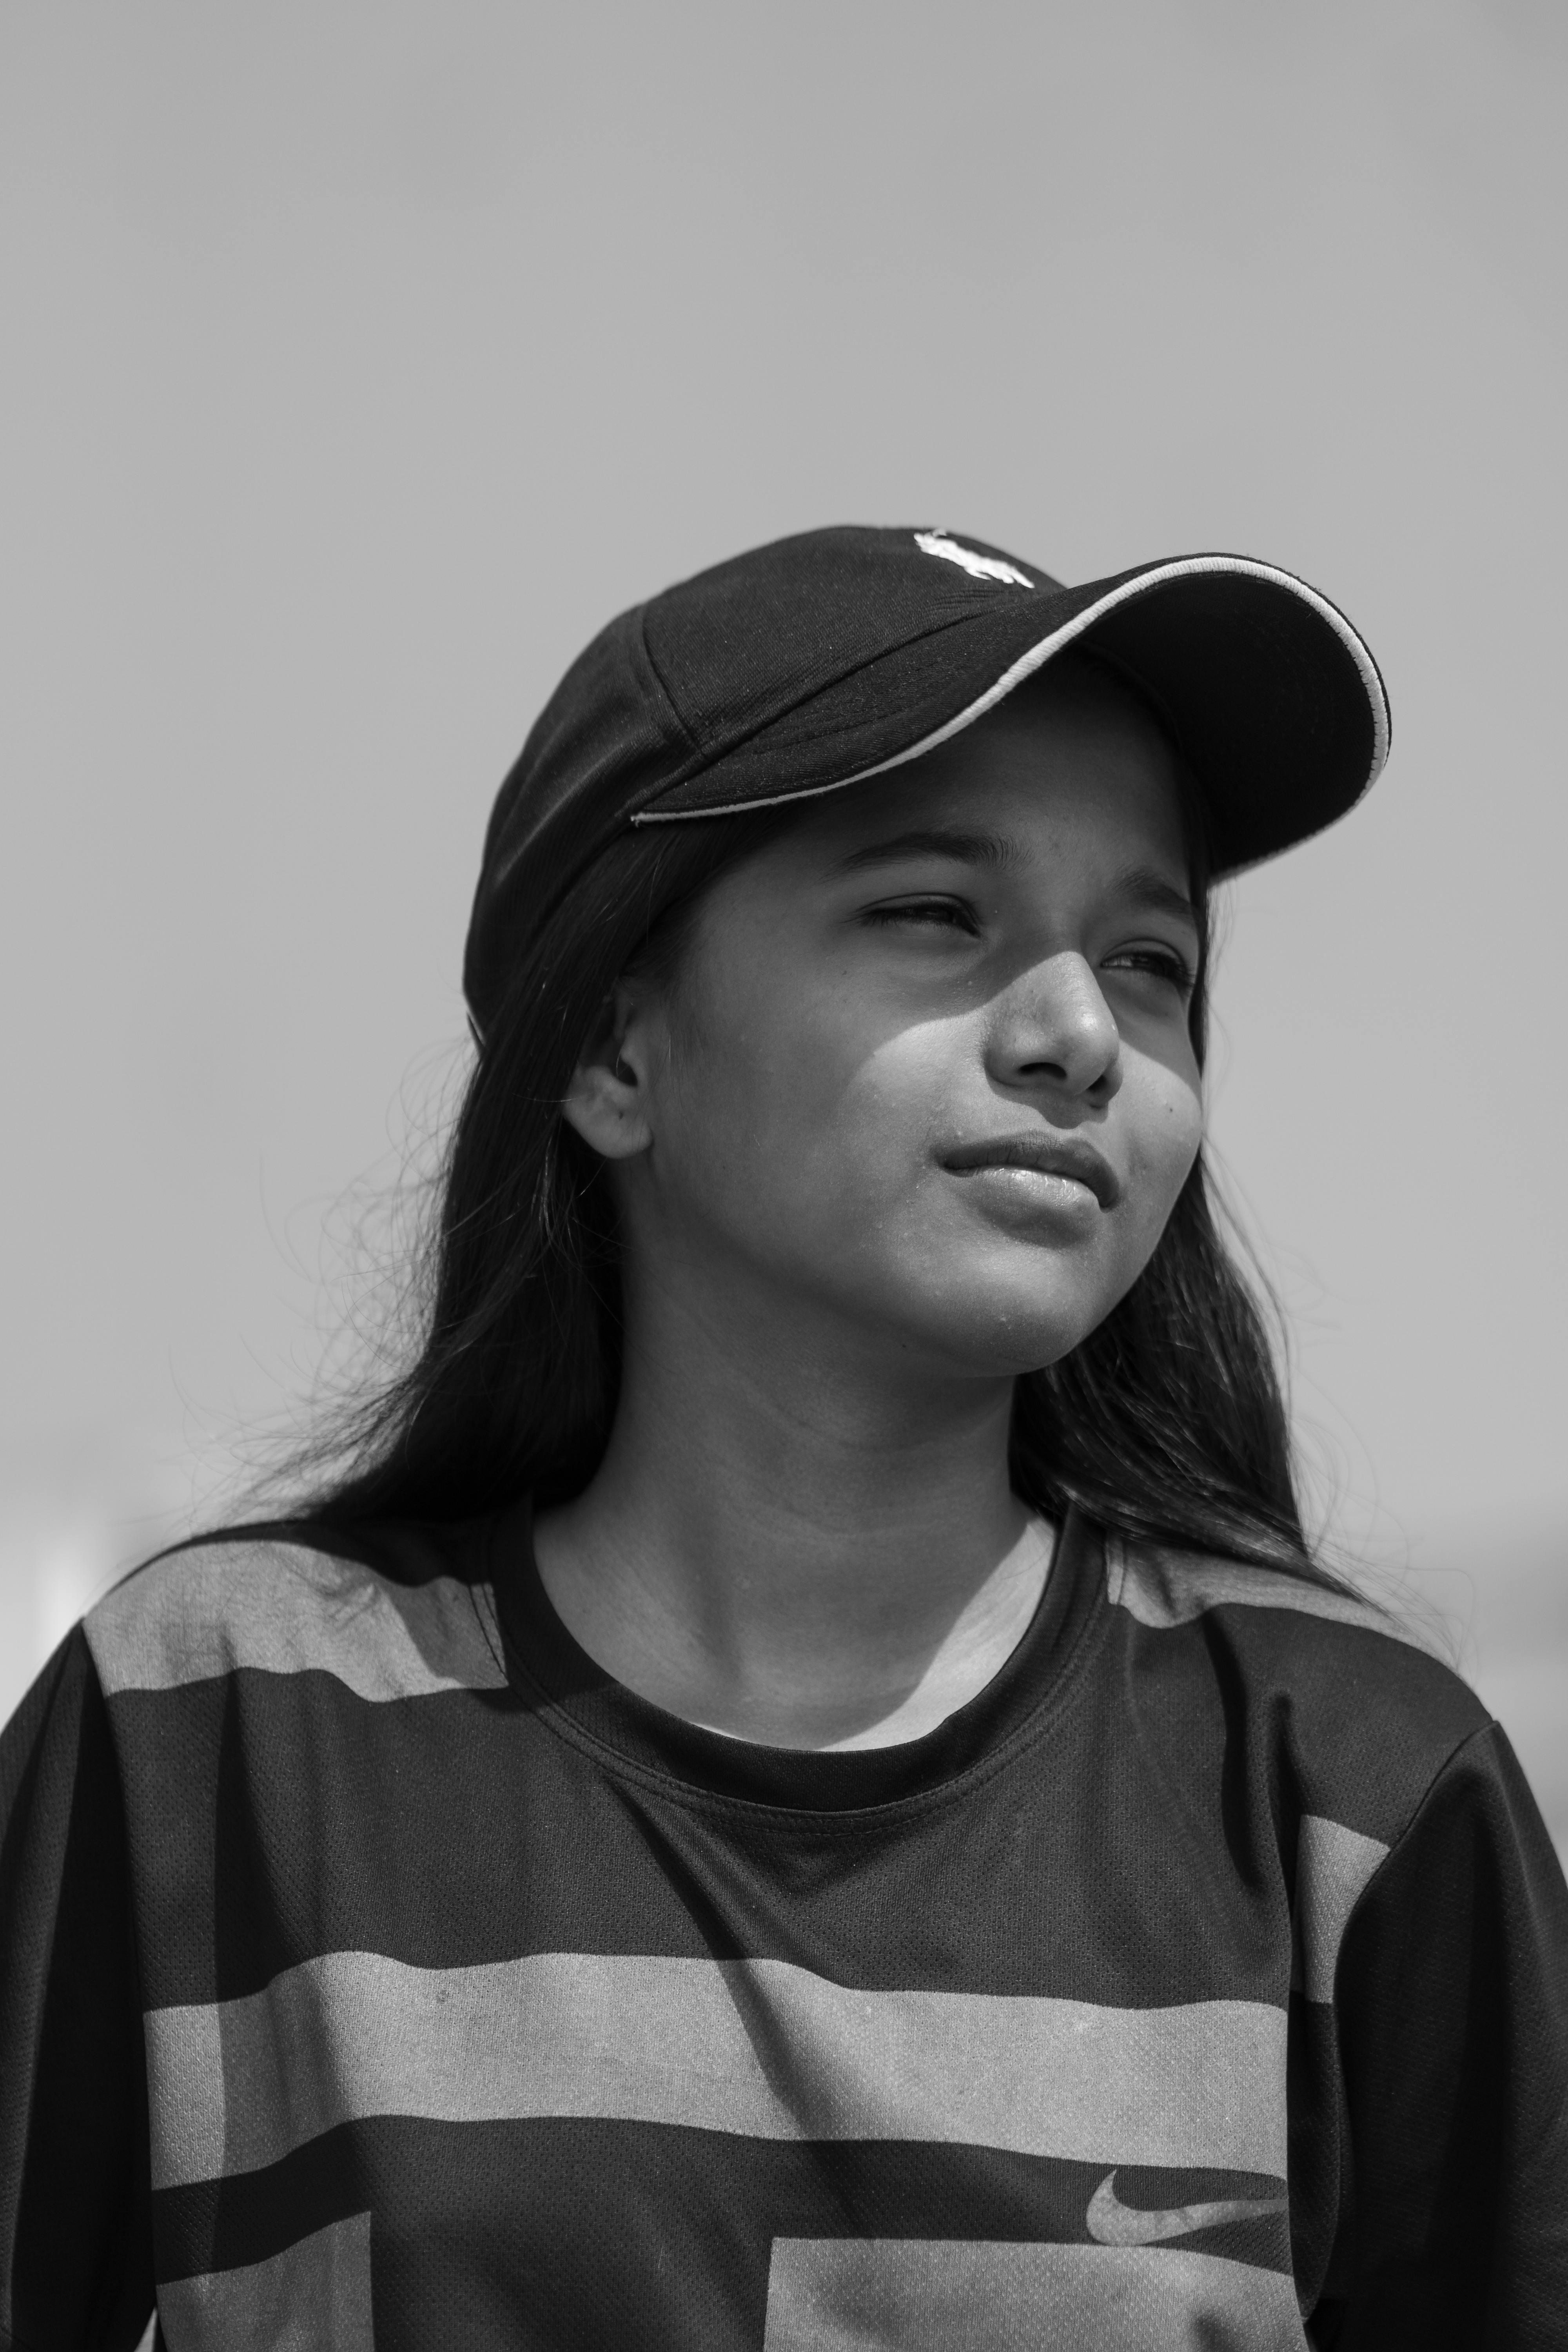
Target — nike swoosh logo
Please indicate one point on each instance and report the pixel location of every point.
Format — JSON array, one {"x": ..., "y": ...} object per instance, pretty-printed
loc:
[{"x": 1113, "y": 2223}]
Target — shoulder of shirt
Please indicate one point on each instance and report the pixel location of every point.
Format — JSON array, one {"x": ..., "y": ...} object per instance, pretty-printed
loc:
[
  {"x": 1375, "y": 1715},
  {"x": 387, "y": 1617}
]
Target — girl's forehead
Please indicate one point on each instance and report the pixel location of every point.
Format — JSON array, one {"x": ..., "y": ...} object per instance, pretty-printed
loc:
[{"x": 1100, "y": 775}]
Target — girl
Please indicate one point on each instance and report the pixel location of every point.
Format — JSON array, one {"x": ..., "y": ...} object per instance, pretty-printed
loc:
[{"x": 799, "y": 1785}]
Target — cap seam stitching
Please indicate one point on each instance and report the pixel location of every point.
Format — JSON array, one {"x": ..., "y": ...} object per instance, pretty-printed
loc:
[
  {"x": 686, "y": 734},
  {"x": 750, "y": 734}
]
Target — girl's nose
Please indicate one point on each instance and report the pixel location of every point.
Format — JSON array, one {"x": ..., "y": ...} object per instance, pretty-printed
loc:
[{"x": 1053, "y": 1027}]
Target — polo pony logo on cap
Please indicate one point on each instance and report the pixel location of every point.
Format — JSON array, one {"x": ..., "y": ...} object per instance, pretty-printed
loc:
[{"x": 969, "y": 559}]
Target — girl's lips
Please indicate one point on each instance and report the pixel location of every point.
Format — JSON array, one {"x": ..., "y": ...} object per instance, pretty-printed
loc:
[
  {"x": 1066, "y": 1159},
  {"x": 1032, "y": 1198}
]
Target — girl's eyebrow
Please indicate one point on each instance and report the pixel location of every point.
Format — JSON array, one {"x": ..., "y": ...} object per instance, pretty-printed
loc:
[
  {"x": 965, "y": 848},
  {"x": 1144, "y": 886}
]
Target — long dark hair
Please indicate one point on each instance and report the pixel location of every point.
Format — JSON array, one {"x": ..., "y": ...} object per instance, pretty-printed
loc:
[{"x": 1167, "y": 1421}]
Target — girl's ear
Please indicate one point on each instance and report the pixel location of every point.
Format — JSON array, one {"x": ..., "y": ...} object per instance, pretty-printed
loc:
[{"x": 606, "y": 1101}]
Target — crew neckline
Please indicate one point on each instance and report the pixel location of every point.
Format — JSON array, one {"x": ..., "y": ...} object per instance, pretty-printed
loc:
[{"x": 586, "y": 1702}]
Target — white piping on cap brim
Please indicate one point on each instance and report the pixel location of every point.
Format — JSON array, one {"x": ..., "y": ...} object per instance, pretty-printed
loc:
[{"x": 1187, "y": 567}]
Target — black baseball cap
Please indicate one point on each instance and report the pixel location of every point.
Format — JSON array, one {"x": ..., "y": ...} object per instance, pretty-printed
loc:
[{"x": 816, "y": 663}]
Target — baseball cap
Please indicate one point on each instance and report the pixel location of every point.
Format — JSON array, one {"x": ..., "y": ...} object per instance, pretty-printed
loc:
[{"x": 821, "y": 660}]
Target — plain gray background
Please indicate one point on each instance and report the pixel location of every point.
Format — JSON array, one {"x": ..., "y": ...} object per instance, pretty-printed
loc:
[{"x": 361, "y": 360}]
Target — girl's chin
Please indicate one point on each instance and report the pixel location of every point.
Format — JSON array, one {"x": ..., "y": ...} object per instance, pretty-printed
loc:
[{"x": 1001, "y": 1337}]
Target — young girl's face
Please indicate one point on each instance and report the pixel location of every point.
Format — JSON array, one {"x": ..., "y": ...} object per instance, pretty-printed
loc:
[{"x": 925, "y": 1065}]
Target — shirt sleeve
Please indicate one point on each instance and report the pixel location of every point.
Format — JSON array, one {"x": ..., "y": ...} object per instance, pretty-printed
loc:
[
  {"x": 75, "y": 2262},
  {"x": 1452, "y": 2003}
]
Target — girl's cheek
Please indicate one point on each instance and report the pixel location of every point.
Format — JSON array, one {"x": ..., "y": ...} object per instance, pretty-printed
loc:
[{"x": 1170, "y": 1131}]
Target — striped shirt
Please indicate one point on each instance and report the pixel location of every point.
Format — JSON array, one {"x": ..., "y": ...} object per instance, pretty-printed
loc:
[{"x": 378, "y": 1973}]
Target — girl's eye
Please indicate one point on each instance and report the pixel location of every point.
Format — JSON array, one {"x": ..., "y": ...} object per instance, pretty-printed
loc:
[
  {"x": 943, "y": 914},
  {"x": 1159, "y": 963}
]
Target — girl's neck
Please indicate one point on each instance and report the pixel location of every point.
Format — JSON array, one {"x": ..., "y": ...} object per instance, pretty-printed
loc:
[{"x": 793, "y": 1540}]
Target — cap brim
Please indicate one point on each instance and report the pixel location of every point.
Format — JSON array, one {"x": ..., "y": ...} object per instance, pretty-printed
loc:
[{"x": 1273, "y": 694}]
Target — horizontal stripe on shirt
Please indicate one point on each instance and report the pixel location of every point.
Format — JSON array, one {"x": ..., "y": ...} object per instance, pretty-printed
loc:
[
  {"x": 1164, "y": 1589},
  {"x": 285, "y": 1609},
  {"x": 757, "y": 2047}
]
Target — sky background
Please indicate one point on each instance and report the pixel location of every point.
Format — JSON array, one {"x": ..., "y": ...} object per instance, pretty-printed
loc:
[{"x": 360, "y": 361}]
